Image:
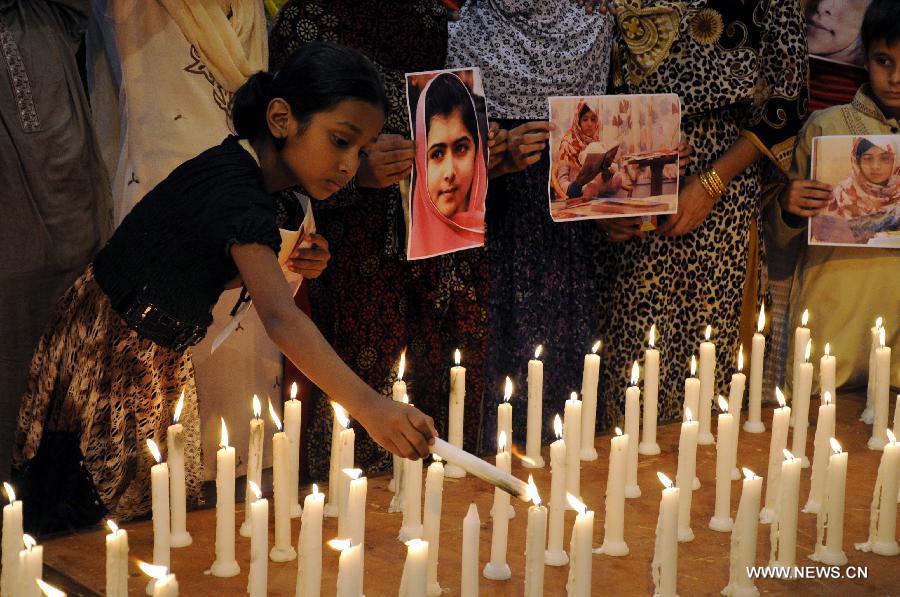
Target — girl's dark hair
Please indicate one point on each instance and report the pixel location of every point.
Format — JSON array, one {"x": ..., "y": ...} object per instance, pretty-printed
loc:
[
  {"x": 881, "y": 22},
  {"x": 446, "y": 94},
  {"x": 314, "y": 78},
  {"x": 863, "y": 146},
  {"x": 584, "y": 110}
]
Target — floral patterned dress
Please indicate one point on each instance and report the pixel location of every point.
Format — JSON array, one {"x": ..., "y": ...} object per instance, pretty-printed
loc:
[{"x": 740, "y": 69}]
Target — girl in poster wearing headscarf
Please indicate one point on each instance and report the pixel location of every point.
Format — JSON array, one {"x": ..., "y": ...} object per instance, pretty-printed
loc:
[
  {"x": 450, "y": 180},
  {"x": 577, "y": 175}
]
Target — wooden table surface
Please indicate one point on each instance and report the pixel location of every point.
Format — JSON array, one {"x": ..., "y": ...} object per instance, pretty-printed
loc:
[{"x": 77, "y": 561}]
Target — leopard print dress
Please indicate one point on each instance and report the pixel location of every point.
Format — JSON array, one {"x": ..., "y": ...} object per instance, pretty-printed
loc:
[
  {"x": 96, "y": 380},
  {"x": 740, "y": 70}
]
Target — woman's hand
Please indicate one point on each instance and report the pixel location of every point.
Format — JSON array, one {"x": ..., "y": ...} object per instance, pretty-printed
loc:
[
  {"x": 684, "y": 155},
  {"x": 399, "y": 428},
  {"x": 805, "y": 198},
  {"x": 310, "y": 258},
  {"x": 389, "y": 160},
  {"x": 622, "y": 229},
  {"x": 526, "y": 144},
  {"x": 694, "y": 204},
  {"x": 498, "y": 145}
]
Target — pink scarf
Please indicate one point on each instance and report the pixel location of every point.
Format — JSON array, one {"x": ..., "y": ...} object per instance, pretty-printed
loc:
[
  {"x": 431, "y": 233},
  {"x": 857, "y": 197}
]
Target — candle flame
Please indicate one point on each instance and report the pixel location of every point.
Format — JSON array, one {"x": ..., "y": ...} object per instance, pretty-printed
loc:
[
  {"x": 341, "y": 413},
  {"x": 723, "y": 404},
  {"x": 402, "y": 367},
  {"x": 787, "y": 454},
  {"x": 688, "y": 416},
  {"x": 761, "y": 321},
  {"x": 436, "y": 458},
  {"x": 29, "y": 541},
  {"x": 49, "y": 590},
  {"x": 808, "y": 350},
  {"x": 315, "y": 489},
  {"x": 457, "y": 356},
  {"x": 693, "y": 365},
  {"x": 597, "y": 346},
  {"x": 827, "y": 349},
  {"x": 708, "y": 332},
  {"x": 635, "y": 373},
  {"x": 257, "y": 492},
  {"x": 11, "y": 494},
  {"x": 257, "y": 407},
  {"x": 501, "y": 442},
  {"x": 879, "y": 322},
  {"x": 154, "y": 450},
  {"x": 780, "y": 397},
  {"x": 666, "y": 481},
  {"x": 618, "y": 431},
  {"x": 891, "y": 437},
  {"x": 748, "y": 474},
  {"x": 178, "y": 408},
  {"x": 881, "y": 336},
  {"x": 576, "y": 504},
  {"x": 294, "y": 391},
  {"x": 557, "y": 426},
  {"x": 507, "y": 390},
  {"x": 804, "y": 319},
  {"x": 652, "y": 335},
  {"x": 741, "y": 358},
  {"x": 826, "y": 397},
  {"x": 415, "y": 544},
  {"x": 353, "y": 473},
  {"x": 339, "y": 544},
  {"x": 538, "y": 351},
  {"x": 157, "y": 572},
  {"x": 835, "y": 446},
  {"x": 573, "y": 396},
  {"x": 533, "y": 491},
  {"x": 112, "y": 526},
  {"x": 274, "y": 416},
  {"x": 223, "y": 442}
]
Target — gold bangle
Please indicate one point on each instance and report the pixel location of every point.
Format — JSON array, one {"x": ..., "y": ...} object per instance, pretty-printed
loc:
[
  {"x": 703, "y": 176},
  {"x": 720, "y": 186}
]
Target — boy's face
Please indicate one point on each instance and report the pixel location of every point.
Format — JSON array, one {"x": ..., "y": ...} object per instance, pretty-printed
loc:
[{"x": 883, "y": 62}]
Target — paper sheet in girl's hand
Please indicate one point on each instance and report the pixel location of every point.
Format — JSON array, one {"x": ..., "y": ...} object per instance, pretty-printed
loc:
[{"x": 290, "y": 240}]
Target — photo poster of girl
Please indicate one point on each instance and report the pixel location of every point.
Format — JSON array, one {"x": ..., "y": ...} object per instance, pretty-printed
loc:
[
  {"x": 864, "y": 172},
  {"x": 448, "y": 187},
  {"x": 613, "y": 156}
]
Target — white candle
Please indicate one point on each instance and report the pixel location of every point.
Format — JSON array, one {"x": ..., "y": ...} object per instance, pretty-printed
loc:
[
  {"x": 355, "y": 527},
  {"x": 868, "y": 415},
  {"x": 348, "y": 456},
  {"x": 555, "y": 554},
  {"x": 821, "y": 451},
  {"x": 783, "y": 532},
  {"x": 180, "y": 537},
  {"x": 292, "y": 427},
  {"x": 159, "y": 492},
  {"x": 535, "y": 537},
  {"x": 471, "y": 543},
  {"x": 633, "y": 431},
  {"x": 589, "y": 380},
  {"x": 397, "y": 484},
  {"x": 225, "y": 564},
  {"x": 743, "y": 539},
  {"x": 257, "y": 583},
  {"x": 165, "y": 584},
  {"x": 533, "y": 458},
  {"x": 648, "y": 445},
  {"x": 721, "y": 520},
  {"x": 497, "y": 568},
  {"x": 581, "y": 563},
  {"x": 883, "y": 511},
  {"x": 684, "y": 478},
  {"x": 309, "y": 564},
  {"x": 707, "y": 388},
  {"x": 801, "y": 406},
  {"x": 350, "y": 571},
  {"x": 116, "y": 561},
  {"x": 754, "y": 422},
  {"x": 481, "y": 469},
  {"x": 412, "y": 501},
  {"x": 29, "y": 568},
  {"x": 12, "y": 541},
  {"x": 801, "y": 338},
  {"x": 692, "y": 403},
  {"x": 282, "y": 551},
  {"x": 572, "y": 437},
  {"x": 254, "y": 461},
  {"x": 504, "y": 412},
  {"x": 614, "y": 522},
  {"x": 456, "y": 414},
  {"x": 780, "y": 423},
  {"x": 434, "y": 496},
  {"x": 830, "y": 522},
  {"x": 334, "y": 465},
  {"x": 414, "y": 581},
  {"x": 665, "y": 553},
  {"x": 827, "y": 366},
  {"x": 897, "y": 429},
  {"x": 881, "y": 396},
  {"x": 735, "y": 403}
]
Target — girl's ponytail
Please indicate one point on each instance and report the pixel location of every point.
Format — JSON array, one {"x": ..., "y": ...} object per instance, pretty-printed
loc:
[{"x": 249, "y": 105}]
